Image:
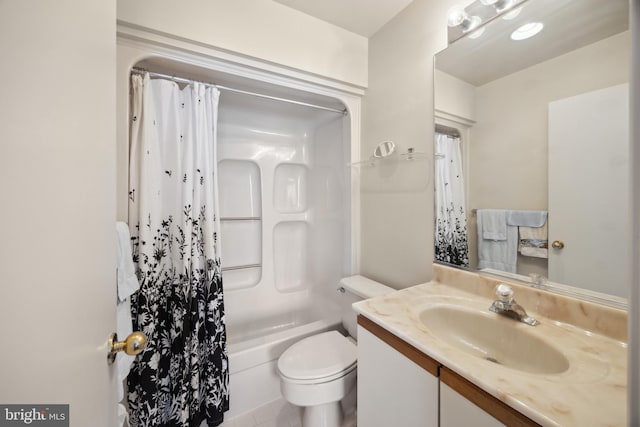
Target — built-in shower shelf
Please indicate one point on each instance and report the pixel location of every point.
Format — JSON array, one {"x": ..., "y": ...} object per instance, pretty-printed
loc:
[
  {"x": 241, "y": 218},
  {"x": 287, "y": 217},
  {"x": 409, "y": 155},
  {"x": 241, "y": 267}
]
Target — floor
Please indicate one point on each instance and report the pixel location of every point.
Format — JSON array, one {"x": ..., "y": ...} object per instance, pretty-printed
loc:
[{"x": 278, "y": 413}]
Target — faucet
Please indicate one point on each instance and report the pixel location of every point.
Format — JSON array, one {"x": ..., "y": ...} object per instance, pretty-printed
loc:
[{"x": 507, "y": 306}]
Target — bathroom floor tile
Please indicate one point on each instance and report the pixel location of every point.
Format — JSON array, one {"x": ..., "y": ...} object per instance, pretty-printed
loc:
[
  {"x": 278, "y": 413},
  {"x": 245, "y": 420},
  {"x": 263, "y": 414}
]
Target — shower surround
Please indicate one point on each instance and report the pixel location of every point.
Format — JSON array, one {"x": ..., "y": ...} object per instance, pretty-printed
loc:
[
  {"x": 284, "y": 209},
  {"x": 289, "y": 203}
]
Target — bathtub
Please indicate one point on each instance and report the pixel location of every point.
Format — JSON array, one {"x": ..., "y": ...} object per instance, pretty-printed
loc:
[{"x": 254, "y": 353}]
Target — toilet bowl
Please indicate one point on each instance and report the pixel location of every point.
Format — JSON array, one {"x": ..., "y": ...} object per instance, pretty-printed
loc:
[{"x": 317, "y": 372}]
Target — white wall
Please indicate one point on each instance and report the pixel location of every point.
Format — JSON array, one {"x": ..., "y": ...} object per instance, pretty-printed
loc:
[
  {"x": 262, "y": 29},
  {"x": 510, "y": 137},
  {"x": 397, "y": 200},
  {"x": 634, "y": 296},
  {"x": 508, "y": 144},
  {"x": 454, "y": 96},
  {"x": 57, "y": 180}
]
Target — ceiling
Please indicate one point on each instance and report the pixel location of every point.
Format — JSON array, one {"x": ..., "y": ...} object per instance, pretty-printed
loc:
[
  {"x": 568, "y": 25},
  {"x": 363, "y": 17}
]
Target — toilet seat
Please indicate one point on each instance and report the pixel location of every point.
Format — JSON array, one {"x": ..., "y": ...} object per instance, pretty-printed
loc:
[{"x": 318, "y": 359}]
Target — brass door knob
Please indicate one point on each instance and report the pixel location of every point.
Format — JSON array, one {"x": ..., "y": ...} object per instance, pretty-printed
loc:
[
  {"x": 557, "y": 244},
  {"x": 132, "y": 345}
]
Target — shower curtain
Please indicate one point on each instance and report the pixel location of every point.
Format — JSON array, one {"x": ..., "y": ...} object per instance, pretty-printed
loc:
[
  {"x": 182, "y": 377},
  {"x": 451, "y": 221}
]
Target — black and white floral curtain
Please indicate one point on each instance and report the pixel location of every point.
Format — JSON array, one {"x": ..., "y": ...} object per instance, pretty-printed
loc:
[
  {"x": 451, "y": 244},
  {"x": 182, "y": 377}
]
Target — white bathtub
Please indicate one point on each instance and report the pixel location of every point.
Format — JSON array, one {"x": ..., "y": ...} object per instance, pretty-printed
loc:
[{"x": 254, "y": 353}]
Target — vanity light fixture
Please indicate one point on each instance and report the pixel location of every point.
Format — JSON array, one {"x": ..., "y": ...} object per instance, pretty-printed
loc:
[
  {"x": 527, "y": 30},
  {"x": 499, "y": 5},
  {"x": 457, "y": 17},
  {"x": 477, "y": 33},
  {"x": 512, "y": 14}
]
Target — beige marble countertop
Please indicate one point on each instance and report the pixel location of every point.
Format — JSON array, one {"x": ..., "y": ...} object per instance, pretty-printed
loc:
[{"x": 592, "y": 392}]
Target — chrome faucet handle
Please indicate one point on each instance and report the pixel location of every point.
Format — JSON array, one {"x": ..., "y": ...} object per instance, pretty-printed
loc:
[{"x": 504, "y": 293}]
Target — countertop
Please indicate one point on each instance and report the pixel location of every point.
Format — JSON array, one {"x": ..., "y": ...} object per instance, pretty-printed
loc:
[{"x": 592, "y": 392}]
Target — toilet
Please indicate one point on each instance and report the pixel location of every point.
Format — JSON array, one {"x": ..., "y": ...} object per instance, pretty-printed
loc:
[{"x": 317, "y": 372}]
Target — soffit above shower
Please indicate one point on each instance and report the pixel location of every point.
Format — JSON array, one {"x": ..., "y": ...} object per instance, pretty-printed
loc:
[
  {"x": 197, "y": 73},
  {"x": 362, "y": 17}
]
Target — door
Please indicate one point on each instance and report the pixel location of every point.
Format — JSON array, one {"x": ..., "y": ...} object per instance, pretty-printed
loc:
[
  {"x": 57, "y": 214},
  {"x": 589, "y": 190}
]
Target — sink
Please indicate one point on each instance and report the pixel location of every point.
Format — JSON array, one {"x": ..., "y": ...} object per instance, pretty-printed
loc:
[{"x": 494, "y": 338}]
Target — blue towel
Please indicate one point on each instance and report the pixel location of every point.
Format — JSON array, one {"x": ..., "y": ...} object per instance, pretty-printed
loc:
[
  {"x": 497, "y": 254},
  {"x": 533, "y": 219},
  {"x": 492, "y": 223}
]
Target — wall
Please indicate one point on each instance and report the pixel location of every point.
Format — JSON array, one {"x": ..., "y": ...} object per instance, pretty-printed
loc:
[
  {"x": 510, "y": 138},
  {"x": 397, "y": 199},
  {"x": 57, "y": 179},
  {"x": 508, "y": 144},
  {"x": 262, "y": 29},
  {"x": 454, "y": 96},
  {"x": 634, "y": 246}
]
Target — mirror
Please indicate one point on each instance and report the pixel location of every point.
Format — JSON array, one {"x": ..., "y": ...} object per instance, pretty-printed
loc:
[
  {"x": 384, "y": 149},
  {"x": 543, "y": 129}
]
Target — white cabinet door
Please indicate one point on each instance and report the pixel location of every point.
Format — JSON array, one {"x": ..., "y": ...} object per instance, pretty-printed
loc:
[
  {"x": 456, "y": 411},
  {"x": 393, "y": 390}
]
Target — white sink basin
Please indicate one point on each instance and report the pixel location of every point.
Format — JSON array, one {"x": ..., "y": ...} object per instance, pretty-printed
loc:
[{"x": 494, "y": 338}]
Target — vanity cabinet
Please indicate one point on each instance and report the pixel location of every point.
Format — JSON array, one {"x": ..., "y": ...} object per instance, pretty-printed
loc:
[
  {"x": 398, "y": 385},
  {"x": 457, "y": 411},
  {"x": 463, "y": 403},
  {"x": 393, "y": 388}
]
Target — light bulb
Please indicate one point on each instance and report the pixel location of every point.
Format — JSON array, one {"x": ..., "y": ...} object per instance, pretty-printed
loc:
[
  {"x": 503, "y": 5},
  {"x": 477, "y": 33},
  {"x": 512, "y": 14},
  {"x": 471, "y": 23},
  {"x": 456, "y": 16}
]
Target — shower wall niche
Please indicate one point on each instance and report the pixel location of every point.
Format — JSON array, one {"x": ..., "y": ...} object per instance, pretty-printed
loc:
[
  {"x": 285, "y": 210},
  {"x": 241, "y": 222}
]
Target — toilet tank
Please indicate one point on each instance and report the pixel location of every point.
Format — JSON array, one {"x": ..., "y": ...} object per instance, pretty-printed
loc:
[{"x": 354, "y": 289}]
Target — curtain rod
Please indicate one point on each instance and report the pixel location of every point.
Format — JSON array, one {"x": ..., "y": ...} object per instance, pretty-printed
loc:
[
  {"x": 230, "y": 89},
  {"x": 446, "y": 130}
]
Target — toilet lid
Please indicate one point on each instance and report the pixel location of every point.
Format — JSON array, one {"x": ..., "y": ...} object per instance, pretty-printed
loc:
[{"x": 318, "y": 356}]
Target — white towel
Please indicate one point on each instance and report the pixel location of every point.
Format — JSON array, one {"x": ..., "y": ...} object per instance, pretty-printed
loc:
[
  {"x": 526, "y": 218},
  {"x": 534, "y": 241},
  {"x": 498, "y": 254},
  {"x": 127, "y": 280},
  {"x": 123, "y": 415},
  {"x": 494, "y": 224},
  {"x": 127, "y": 283}
]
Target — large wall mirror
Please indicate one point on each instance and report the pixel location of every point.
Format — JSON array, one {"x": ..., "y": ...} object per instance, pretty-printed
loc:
[{"x": 532, "y": 142}]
